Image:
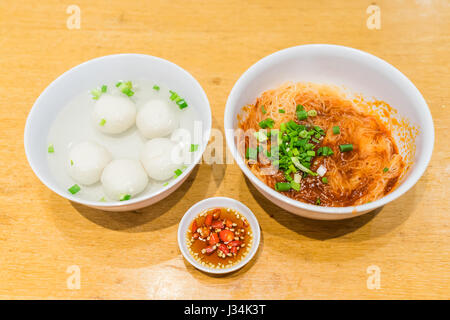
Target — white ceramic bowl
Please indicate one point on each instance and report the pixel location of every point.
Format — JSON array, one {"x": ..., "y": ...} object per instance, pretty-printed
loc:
[
  {"x": 214, "y": 203},
  {"x": 357, "y": 71},
  {"x": 89, "y": 75}
]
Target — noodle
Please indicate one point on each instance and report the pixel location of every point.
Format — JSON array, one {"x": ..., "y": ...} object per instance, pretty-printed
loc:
[{"x": 355, "y": 177}]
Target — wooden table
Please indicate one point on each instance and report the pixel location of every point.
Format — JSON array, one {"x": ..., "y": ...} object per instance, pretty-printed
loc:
[{"x": 135, "y": 255}]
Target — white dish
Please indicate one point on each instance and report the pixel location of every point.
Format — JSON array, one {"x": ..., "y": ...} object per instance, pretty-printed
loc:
[
  {"x": 352, "y": 69},
  {"x": 89, "y": 75},
  {"x": 211, "y": 203}
]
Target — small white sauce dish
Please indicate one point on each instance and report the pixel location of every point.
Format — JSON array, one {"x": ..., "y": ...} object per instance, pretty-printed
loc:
[
  {"x": 89, "y": 75},
  {"x": 218, "y": 202}
]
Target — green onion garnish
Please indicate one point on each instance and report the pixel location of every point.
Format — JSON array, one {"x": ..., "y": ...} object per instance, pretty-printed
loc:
[
  {"x": 178, "y": 172},
  {"x": 156, "y": 87},
  {"x": 385, "y": 170},
  {"x": 102, "y": 199},
  {"x": 346, "y": 147},
  {"x": 126, "y": 88},
  {"x": 325, "y": 151},
  {"x": 96, "y": 94},
  {"x": 251, "y": 153},
  {"x": 102, "y": 122},
  {"x": 71, "y": 162},
  {"x": 336, "y": 130},
  {"x": 177, "y": 99},
  {"x": 267, "y": 123},
  {"x": 51, "y": 148},
  {"x": 297, "y": 163},
  {"x": 281, "y": 111},
  {"x": 318, "y": 201},
  {"x": 295, "y": 185},
  {"x": 194, "y": 147},
  {"x": 74, "y": 189},
  {"x": 282, "y": 186},
  {"x": 165, "y": 184},
  {"x": 260, "y": 136},
  {"x": 312, "y": 113},
  {"x": 325, "y": 180},
  {"x": 125, "y": 197},
  {"x": 104, "y": 88},
  {"x": 302, "y": 115},
  {"x": 263, "y": 110}
]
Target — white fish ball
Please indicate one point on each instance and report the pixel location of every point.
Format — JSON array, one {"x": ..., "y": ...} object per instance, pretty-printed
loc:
[
  {"x": 114, "y": 114},
  {"x": 157, "y": 118},
  {"x": 161, "y": 157},
  {"x": 87, "y": 160},
  {"x": 123, "y": 177}
]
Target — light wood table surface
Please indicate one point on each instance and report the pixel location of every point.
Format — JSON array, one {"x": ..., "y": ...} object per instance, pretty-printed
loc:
[{"x": 135, "y": 255}]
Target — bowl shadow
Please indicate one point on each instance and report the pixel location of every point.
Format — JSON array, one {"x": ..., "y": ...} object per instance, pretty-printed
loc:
[{"x": 331, "y": 229}]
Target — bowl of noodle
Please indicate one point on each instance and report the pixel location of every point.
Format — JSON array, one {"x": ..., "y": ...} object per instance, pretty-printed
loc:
[{"x": 328, "y": 132}]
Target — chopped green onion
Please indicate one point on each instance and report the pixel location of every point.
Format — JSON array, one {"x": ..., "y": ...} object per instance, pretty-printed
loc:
[
  {"x": 267, "y": 123},
  {"x": 385, "y": 170},
  {"x": 299, "y": 107},
  {"x": 325, "y": 151},
  {"x": 182, "y": 104},
  {"x": 318, "y": 201},
  {"x": 251, "y": 153},
  {"x": 178, "y": 172},
  {"x": 71, "y": 162},
  {"x": 336, "y": 130},
  {"x": 51, "y": 148},
  {"x": 165, "y": 184},
  {"x": 104, "y": 88},
  {"x": 74, "y": 189},
  {"x": 102, "y": 199},
  {"x": 303, "y": 134},
  {"x": 302, "y": 115},
  {"x": 325, "y": 180},
  {"x": 102, "y": 122},
  {"x": 125, "y": 87},
  {"x": 194, "y": 147},
  {"x": 263, "y": 109},
  {"x": 156, "y": 87},
  {"x": 125, "y": 197},
  {"x": 96, "y": 94},
  {"x": 346, "y": 147},
  {"x": 260, "y": 136},
  {"x": 312, "y": 113},
  {"x": 295, "y": 186},
  {"x": 281, "y": 111},
  {"x": 297, "y": 163},
  {"x": 282, "y": 186},
  {"x": 311, "y": 153},
  {"x": 178, "y": 100}
]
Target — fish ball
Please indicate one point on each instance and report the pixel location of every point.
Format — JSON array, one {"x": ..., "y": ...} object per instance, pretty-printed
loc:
[
  {"x": 87, "y": 160},
  {"x": 157, "y": 118},
  {"x": 161, "y": 157},
  {"x": 114, "y": 114},
  {"x": 123, "y": 177}
]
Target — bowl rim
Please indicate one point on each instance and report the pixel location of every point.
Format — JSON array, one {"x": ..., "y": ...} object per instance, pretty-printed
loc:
[
  {"x": 409, "y": 181},
  {"x": 233, "y": 203},
  {"x": 138, "y": 199}
]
